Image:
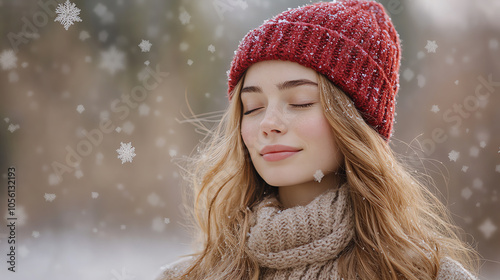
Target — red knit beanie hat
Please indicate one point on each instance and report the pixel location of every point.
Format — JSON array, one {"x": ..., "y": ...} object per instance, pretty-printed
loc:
[{"x": 351, "y": 42}]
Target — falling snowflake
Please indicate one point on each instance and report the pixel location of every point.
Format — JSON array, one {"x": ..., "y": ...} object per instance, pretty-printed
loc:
[
  {"x": 466, "y": 193},
  {"x": 145, "y": 45},
  {"x": 154, "y": 199},
  {"x": 124, "y": 275},
  {"x": 465, "y": 168},
  {"x": 408, "y": 74},
  {"x": 487, "y": 228},
  {"x": 183, "y": 46},
  {"x": 49, "y": 197},
  {"x": 20, "y": 215},
  {"x": 453, "y": 155},
  {"x": 190, "y": 62},
  {"x": 95, "y": 194},
  {"x": 8, "y": 59},
  {"x": 80, "y": 108},
  {"x": 482, "y": 144},
  {"x": 435, "y": 108},
  {"x": 172, "y": 152},
  {"x": 167, "y": 221},
  {"x": 431, "y": 46},
  {"x": 35, "y": 234},
  {"x": 497, "y": 168},
  {"x": 54, "y": 179},
  {"x": 211, "y": 48},
  {"x": 318, "y": 175},
  {"x": 474, "y": 151},
  {"x": 112, "y": 60},
  {"x": 128, "y": 127},
  {"x": 184, "y": 17},
  {"x": 126, "y": 152},
  {"x": 13, "y": 127},
  {"x": 421, "y": 81},
  {"x": 67, "y": 14},
  {"x": 105, "y": 15},
  {"x": 78, "y": 174},
  {"x": 144, "y": 109},
  {"x": 100, "y": 10},
  {"x": 478, "y": 183},
  {"x": 84, "y": 35}
]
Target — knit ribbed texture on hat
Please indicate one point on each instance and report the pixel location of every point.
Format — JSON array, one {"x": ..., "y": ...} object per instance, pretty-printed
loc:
[
  {"x": 353, "y": 43},
  {"x": 303, "y": 235}
]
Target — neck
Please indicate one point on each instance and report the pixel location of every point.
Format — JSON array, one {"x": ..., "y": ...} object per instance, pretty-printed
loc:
[{"x": 302, "y": 194}]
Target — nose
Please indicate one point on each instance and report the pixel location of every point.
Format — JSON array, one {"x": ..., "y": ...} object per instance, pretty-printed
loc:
[{"x": 273, "y": 122}]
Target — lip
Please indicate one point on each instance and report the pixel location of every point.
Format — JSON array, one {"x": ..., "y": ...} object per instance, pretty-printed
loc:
[{"x": 278, "y": 152}]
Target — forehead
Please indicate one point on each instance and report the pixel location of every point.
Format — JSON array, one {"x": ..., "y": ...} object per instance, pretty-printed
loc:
[{"x": 277, "y": 71}]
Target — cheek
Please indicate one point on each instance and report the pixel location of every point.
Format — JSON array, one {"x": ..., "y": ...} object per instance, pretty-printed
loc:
[
  {"x": 247, "y": 133},
  {"x": 319, "y": 136},
  {"x": 315, "y": 127}
]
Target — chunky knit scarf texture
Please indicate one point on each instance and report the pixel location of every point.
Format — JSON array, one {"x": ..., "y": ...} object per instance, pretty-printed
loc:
[{"x": 304, "y": 242}]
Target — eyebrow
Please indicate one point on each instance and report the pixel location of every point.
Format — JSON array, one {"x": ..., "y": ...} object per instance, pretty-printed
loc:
[{"x": 282, "y": 86}]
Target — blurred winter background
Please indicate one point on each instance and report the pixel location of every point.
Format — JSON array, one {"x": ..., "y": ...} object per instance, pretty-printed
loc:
[{"x": 127, "y": 72}]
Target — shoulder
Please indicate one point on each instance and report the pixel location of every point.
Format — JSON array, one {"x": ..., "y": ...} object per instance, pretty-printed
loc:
[
  {"x": 453, "y": 270},
  {"x": 175, "y": 269}
]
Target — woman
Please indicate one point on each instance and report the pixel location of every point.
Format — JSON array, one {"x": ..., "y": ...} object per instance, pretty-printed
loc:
[{"x": 298, "y": 180}]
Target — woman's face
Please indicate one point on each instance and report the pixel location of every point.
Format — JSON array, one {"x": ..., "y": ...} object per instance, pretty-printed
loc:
[{"x": 283, "y": 125}]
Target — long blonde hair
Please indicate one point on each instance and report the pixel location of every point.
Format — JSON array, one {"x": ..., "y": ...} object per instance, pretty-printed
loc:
[{"x": 402, "y": 230}]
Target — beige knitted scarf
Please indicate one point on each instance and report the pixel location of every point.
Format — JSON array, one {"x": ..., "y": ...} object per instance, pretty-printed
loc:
[
  {"x": 304, "y": 242},
  {"x": 301, "y": 242}
]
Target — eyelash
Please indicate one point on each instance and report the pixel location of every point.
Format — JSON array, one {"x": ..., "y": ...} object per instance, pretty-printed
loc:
[{"x": 294, "y": 105}]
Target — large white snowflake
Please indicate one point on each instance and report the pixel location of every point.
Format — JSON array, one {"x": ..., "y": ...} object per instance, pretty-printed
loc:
[
  {"x": 112, "y": 60},
  {"x": 49, "y": 197},
  {"x": 453, "y": 155},
  {"x": 145, "y": 45},
  {"x": 318, "y": 175},
  {"x": 184, "y": 16},
  {"x": 67, "y": 14},
  {"x": 431, "y": 46},
  {"x": 488, "y": 228},
  {"x": 126, "y": 152},
  {"x": 8, "y": 59}
]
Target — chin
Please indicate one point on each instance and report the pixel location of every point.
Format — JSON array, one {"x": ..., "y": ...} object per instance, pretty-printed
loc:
[{"x": 279, "y": 182}]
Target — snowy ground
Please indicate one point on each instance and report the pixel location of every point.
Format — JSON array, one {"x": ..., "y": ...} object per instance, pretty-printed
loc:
[{"x": 78, "y": 257}]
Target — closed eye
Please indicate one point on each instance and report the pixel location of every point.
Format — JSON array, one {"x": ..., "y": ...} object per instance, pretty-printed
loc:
[
  {"x": 293, "y": 105},
  {"x": 250, "y": 111},
  {"x": 302, "y": 105}
]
